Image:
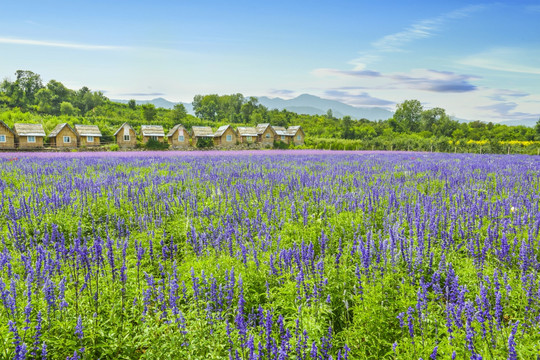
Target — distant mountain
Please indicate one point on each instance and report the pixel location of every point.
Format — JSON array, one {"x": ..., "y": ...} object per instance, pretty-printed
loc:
[
  {"x": 524, "y": 122},
  {"x": 303, "y": 104},
  {"x": 159, "y": 103},
  {"x": 314, "y": 105}
]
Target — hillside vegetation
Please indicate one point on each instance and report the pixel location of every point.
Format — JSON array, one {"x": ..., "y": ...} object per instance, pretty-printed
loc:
[{"x": 28, "y": 100}]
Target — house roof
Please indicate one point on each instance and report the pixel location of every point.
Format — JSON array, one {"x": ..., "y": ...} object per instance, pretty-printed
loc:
[
  {"x": 292, "y": 130},
  {"x": 152, "y": 130},
  {"x": 202, "y": 131},
  {"x": 221, "y": 130},
  {"x": 247, "y": 131},
  {"x": 88, "y": 130},
  {"x": 59, "y": 128},
  {"x": 261, "y": 128},
  {"x": 280, "y": 130},
  {"x": 7, "y": 127},
  {"x": 173, "y": 130},
  {"x": 29, "y": 129},
  {"x": 122, "y": 126}
]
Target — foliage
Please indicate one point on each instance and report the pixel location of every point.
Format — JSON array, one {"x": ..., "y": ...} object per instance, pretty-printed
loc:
[
  {"x": 205, "y": 142},
  {"x": 411, "y": 128},
  {"x": 384, "y": 256},
  {"x": 153, "y": 144}
]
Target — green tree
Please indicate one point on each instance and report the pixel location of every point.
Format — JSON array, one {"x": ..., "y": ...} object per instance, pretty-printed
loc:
[
  {"x": 346, "y": 125},
  {"x": 179, "y": 112},
  {"x": 29, "y": 83},
  {"x": 132, "y": 104},
  {"x": 59, "y": 94},
  {"x": 44, "y": 98},
  {"x": 149, "y": 112},
  {"x": 407, "y": 116},
  {"x": 66, "y": 108}
]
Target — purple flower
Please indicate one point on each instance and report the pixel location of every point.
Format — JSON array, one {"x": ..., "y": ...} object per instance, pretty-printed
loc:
[{"x": 79, "y": 328}]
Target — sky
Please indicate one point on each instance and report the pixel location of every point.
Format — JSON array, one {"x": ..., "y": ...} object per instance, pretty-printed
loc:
[{"x": 477, "y": 60}]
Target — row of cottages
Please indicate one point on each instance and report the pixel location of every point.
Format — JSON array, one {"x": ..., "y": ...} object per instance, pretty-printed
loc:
[
  {"x": 224, "y": 136},
  {"x": 32, "y": 136},
  {"x": 65, "y": 136}
]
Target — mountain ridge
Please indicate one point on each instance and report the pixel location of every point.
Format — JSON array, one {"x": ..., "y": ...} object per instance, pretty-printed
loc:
[{"x": 302, "y": 104}]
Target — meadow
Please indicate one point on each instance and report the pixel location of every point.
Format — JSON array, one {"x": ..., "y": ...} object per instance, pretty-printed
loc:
[{"x": 269, "y": 255}]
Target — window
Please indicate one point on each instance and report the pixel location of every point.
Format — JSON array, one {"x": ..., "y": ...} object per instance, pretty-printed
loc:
[
  {"x": 154, "y": 138},
  {"x": 67, "y": 139},
  {"x": 31, "y": 139},
  {"x": 268, "y": 136},
  {"x": 229, "y": 138},
  {"x": 248, "y": 138},
  {"x": 2, "y": 138},
  {"x": 181, "y": 138},
  {"x": 299, "y": 137},
  {"x": 282, "y": 137},
  {"x": 126, "y": 137},
  {"x": 89, "y": 139}
]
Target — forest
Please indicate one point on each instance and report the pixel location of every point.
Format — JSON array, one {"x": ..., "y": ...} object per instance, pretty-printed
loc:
[{"x": 26, "y": 99}]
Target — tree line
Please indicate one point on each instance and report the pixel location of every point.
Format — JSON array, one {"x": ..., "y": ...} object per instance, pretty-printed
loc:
[{"x": 28, "y": 98}]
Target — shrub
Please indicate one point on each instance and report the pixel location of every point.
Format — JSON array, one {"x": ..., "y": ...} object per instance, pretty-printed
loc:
[
  {"x": 280, "y": 145},
  {"x": 205, "y": 142},
  {"x": 156, "y": 145}
]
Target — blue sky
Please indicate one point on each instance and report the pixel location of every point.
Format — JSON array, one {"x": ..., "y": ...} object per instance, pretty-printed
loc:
[{"x": 476, "y": 60}]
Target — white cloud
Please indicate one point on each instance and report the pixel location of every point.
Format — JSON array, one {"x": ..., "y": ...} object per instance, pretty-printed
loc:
[
  {"x": 419, "y": 30},
  {"x": 57, "y": 44},
  {"x": 514, "y": 60}
]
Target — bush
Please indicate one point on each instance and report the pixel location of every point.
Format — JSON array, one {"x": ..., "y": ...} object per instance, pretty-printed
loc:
[
  {"x": 280, "y": 145},
  {"x": 156, "y": 145},
  {"x": 205, "y": 142},
  {"x": 114, "y": 147}
]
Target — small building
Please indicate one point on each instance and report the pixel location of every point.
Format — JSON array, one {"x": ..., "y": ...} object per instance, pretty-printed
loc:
[
  {"x": 178, "y": 136},
  {"x": 125, "y": 136},
  {"x": 225, "y": 136},
  {"x": 63, "y": 136},
  {"x": 152, "y": 132},
  {"x": 266, "y": 134},
  {"x": 29, "y": 136},
  {"x": 281, "y": 134},
  {"x": 247, "y": 135},
  {"x": 296, "y": 135},
  {"x": 7, "y": 136},
  {"x": 89, "y": 135},
  {"x": 201, "y": 132}
]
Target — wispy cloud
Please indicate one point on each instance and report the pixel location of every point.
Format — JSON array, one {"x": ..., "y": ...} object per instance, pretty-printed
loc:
[
  {"x": 505, "y": 110},
  {"x": 533, "y": 8},
  {"x": 422, "y": 29},
  {"x": 144, "y": 94},
  {"x": 355, "y": 73},
  {"x": 58, "y": 44},
  {"x": 513, "y": 60},
  {"x": 503, "y": 94},
  {"x": 282, "y": 92},
  {"x": 349, "y": 96},
  {"x": 428, "y": 80}
]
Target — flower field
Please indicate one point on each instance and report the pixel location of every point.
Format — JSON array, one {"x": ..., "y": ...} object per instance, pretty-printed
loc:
[{"x": 269, "y": 255}]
